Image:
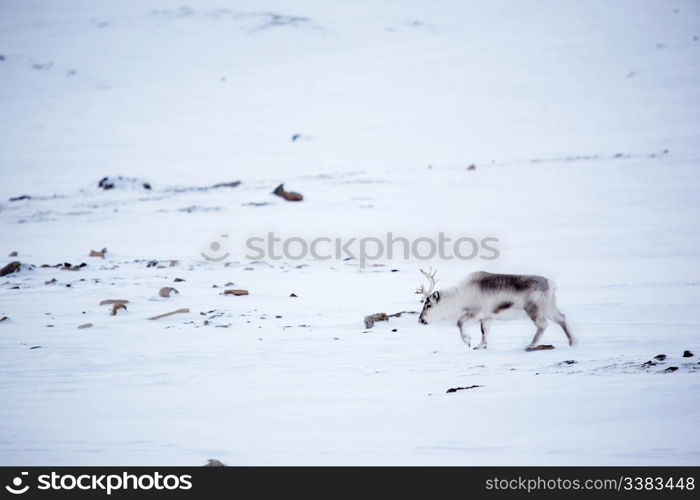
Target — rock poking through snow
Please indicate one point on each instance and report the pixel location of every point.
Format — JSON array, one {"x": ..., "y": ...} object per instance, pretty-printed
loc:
[
  {"x": 166, "y": 291},
  {"x": 117, "y": 307},
  {"x": 455, "y": 389},
  {"x": 10, "y": 268},
  {"x": 212, "y": 462},
  {"x": 96, "y": 253},
  {"x": 176, "y": 311},
  {"x": 287, "y": 195},
  {"x": 373, "y": 318}
]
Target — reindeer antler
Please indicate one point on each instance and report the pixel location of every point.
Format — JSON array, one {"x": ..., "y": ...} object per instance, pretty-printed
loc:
[{"x": 431, "y": 278}]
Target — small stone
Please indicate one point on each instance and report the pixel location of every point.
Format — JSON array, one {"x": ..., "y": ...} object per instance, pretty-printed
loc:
[
  {"x": 235, "y": 291},
  {"x": 660, "y": 357},
  {"x": 100, "y": 253},
  {"x": 687, "y": 354},
  {"x": 166, "y": 291},
  {"x": 670, "y": 369},
  {"x": 117, "y": 307},
  {"x": 13, "y": 254},
  {"x": 212, "y": 462},
  {"x": 287, "y": 195},
  {"x": 373, "y": 318},
  {"x": 85, "y": 325}
]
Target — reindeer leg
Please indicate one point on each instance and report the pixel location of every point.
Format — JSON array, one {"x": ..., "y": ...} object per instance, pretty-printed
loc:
[
  {"x": 560, "y": 320},
  {"x": 462, "y": 325},
  {"x": 558, "y": 317},
  {"x": 534, "y": 311},
  {"x": 485, "y": 325}
]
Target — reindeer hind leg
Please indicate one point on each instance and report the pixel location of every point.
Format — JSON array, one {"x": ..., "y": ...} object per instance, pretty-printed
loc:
[
  {"x": 536, "y": 314},
  {"x": 560, "y": 319}
]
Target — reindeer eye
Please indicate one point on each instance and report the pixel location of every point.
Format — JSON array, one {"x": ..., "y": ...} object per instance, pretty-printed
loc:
[{"x": 428, "y": 306}]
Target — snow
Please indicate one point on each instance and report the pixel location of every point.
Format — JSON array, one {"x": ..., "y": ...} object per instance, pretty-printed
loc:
[{"x": 581, "y": 119}]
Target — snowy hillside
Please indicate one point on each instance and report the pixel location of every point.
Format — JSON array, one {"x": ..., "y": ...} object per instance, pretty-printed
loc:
[{"x": 580, "y": 118}]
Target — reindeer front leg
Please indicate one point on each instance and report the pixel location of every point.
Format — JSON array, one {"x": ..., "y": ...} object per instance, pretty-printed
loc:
[
  {"x": 462, "y": 322},
  {"x": 485, "y": 325}
]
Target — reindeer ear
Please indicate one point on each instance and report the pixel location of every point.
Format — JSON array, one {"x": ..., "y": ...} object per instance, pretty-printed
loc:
[{"x": 436, "y": 296}]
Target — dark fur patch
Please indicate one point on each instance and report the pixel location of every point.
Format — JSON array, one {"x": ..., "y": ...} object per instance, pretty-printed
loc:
[
  {"x": 488, "y": 282},
  {"x": 532, "y": 310},
  {"x": 502, "y": 307}
]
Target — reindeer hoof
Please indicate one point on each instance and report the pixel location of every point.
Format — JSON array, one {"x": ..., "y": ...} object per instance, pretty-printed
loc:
[{"x": 480, "y": 346}]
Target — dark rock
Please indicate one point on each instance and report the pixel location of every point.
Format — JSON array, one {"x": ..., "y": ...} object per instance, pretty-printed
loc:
[
  {"x": 226, "y": 184},
  {"x": 687, "y": 354},
  {"x": 670, "y": 369},
  {"x": 287, "y": 195},
  {"x": 455, "y": 389},
  {"x": 10, "y": 268},
  {"x": 212, "y": 462},
  {"x": 20, "y": 198},
  {"x": 660, "y": 357},
  {"x": 105, "y": 183}
]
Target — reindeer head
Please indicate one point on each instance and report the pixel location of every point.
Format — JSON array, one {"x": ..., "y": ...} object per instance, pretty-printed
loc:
[{"x": 431, "y": 298}]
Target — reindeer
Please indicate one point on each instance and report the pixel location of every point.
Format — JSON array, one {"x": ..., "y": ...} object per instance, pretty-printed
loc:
[{"x": 484, "y": 297}]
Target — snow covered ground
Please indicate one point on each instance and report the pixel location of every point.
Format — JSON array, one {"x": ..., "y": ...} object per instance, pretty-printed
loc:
[{"x": 581, "y": 119}]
